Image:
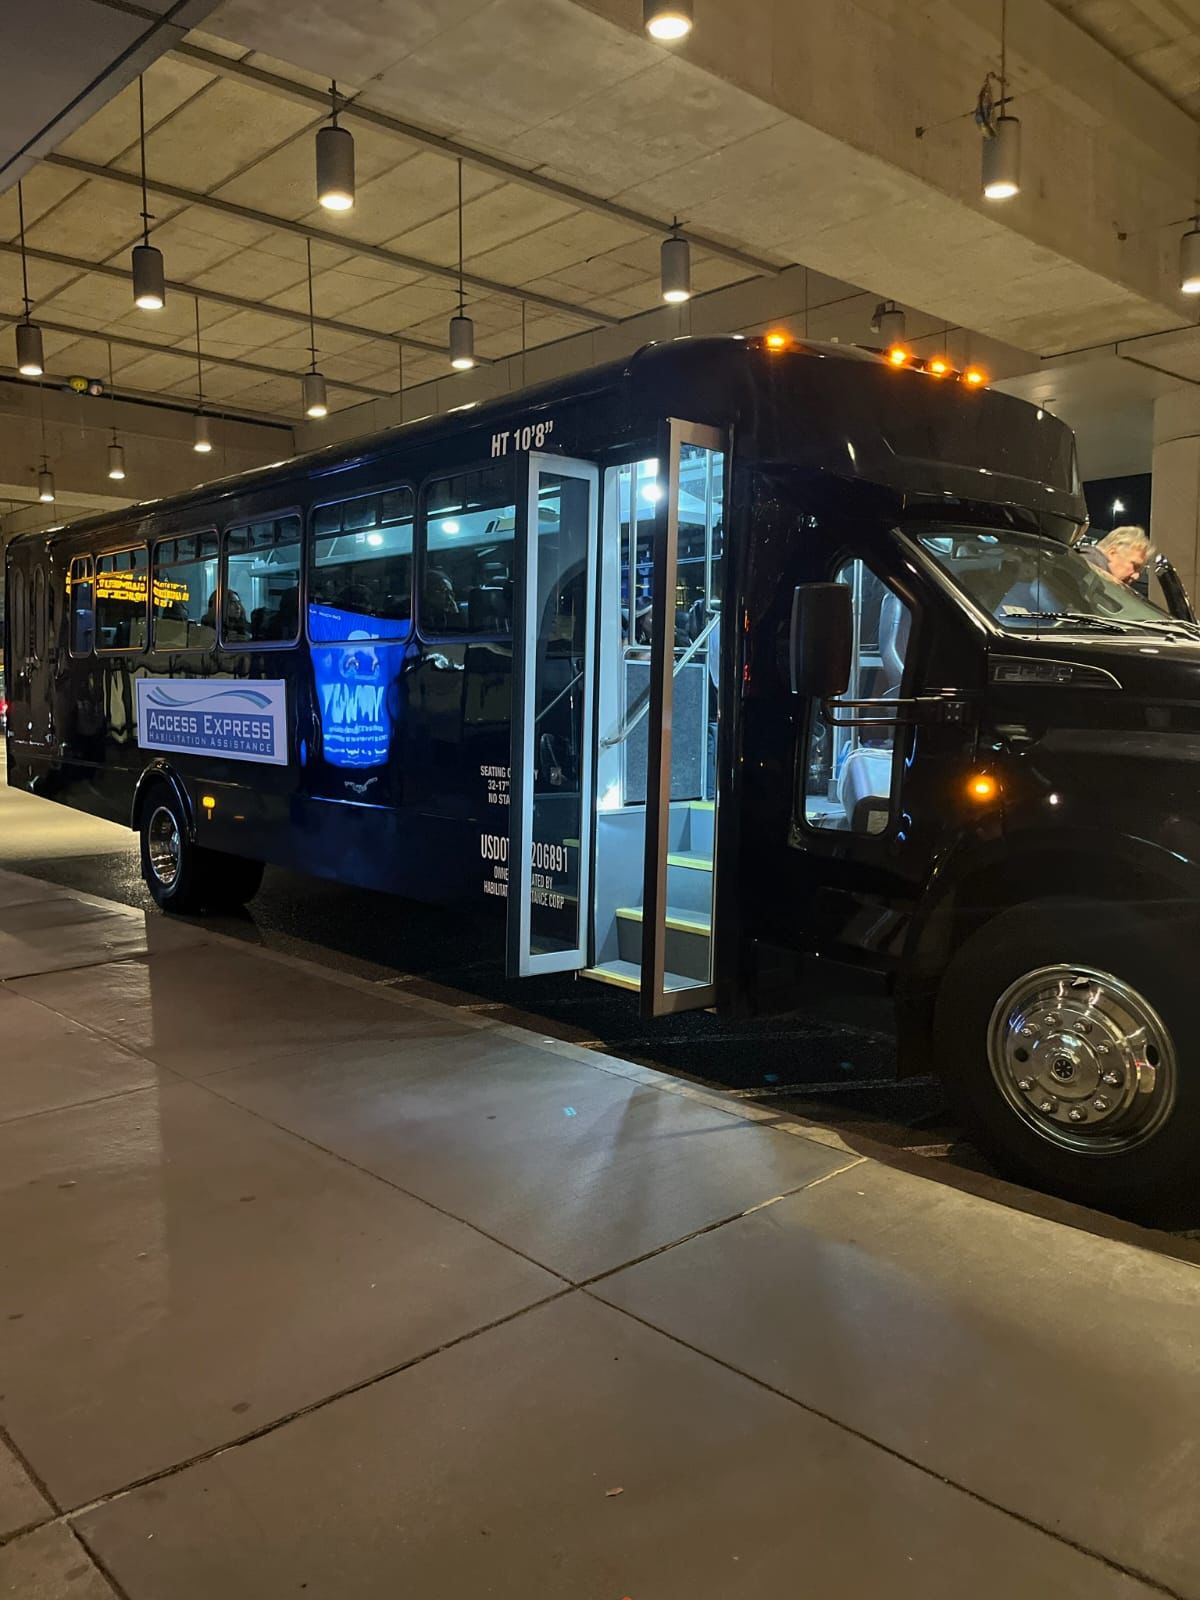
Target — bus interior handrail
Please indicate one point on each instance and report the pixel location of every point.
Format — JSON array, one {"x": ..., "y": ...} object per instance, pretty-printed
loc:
[{"x": 643, "y": 702}]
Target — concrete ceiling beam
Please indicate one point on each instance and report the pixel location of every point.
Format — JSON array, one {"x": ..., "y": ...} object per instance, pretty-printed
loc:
[
  {"x": 353, "y": 110},
  {"x": 301, "y": 230},
  {"x": 234, "y": 302}
]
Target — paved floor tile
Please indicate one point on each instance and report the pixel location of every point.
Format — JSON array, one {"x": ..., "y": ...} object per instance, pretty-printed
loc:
[
  {"x": 212, "y": 1007},
  {"x": 21, "y": 1501},
  {"x": 53, "y": 934},
  {"x": 1050, "y": 1371},
  {"x": 48, "y": 1062},
  {"x": 50, "y": 1564},
  {"x": 177, "y": 1273},
  {"x": 579, "y": 1168},
  {"x": 488, "y": 1470}
]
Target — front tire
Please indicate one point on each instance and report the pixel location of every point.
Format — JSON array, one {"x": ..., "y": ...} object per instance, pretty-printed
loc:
[{"x": 1065, "y": 1037}]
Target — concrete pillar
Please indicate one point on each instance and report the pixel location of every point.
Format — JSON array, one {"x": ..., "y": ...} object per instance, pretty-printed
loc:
[{"x": 1175, "y": 513}]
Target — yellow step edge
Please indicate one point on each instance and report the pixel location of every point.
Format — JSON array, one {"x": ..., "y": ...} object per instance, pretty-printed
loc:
[
  {"x": 697, "y": 863},
  {"x": 618, "y": 980},
  {"x": 682, "y": 924},
  {"x": 703, "y": 805}
]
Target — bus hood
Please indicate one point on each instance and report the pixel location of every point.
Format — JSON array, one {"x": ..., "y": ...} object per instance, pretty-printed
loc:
[{"x": 1154, "y": 666}]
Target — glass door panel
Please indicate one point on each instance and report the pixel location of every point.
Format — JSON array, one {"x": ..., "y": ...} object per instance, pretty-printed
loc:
[
  {"x": 682, "y": 799},
  {"x": 552, "y": 787}
]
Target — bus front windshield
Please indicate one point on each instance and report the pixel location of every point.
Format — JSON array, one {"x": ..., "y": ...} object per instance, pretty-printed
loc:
[{"x": 1028, "y": 582}]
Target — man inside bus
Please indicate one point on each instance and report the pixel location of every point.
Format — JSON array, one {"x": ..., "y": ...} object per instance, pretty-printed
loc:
[{"x": 1120, "y": 555}]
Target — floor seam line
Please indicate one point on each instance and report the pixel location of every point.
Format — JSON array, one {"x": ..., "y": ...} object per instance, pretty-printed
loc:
[
  {"x": 31, "y": 1472},
  {"x": 890, "y": 1450},
  {"x": 275, "y": 1424},
  {"x": 118, "y": 1588}
]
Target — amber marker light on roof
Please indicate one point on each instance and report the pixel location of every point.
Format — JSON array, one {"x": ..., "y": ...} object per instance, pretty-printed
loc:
[
  {"x": 777, "y": 341},
  {"x": 981, "y": 786},
  {"x": 938, "y": 367},
  {"x": 898, "y": 356},
  {"x": 974, "y": 377}
]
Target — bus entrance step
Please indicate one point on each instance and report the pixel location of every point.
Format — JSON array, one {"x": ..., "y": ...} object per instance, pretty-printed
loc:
[{"x": 688, "y": 939}]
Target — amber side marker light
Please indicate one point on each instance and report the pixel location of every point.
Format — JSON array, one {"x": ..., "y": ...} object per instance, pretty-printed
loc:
[
  {"x": 975, "y": 377},
  {"x": 981, "y": 786},
  {"x": 898, "y": 356},
  {"x": 777, "y": 341},
  {"x": 208, "y": 801}
]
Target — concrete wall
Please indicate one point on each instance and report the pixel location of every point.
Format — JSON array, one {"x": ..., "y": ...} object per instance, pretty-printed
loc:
[{"x": 1175, "y": 511}]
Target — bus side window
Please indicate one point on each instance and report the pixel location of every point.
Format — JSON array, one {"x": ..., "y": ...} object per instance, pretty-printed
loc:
[
  {"x": 849, "y": 773},
  {"x": 184, "y": 579},
  {"x": 82, "y": 627},
  {"x": 360, "y": 568},
  {"x": 468, "y": 527},
  {"x": 261, "y": 604},
  {"x": 121, "y": 594}
]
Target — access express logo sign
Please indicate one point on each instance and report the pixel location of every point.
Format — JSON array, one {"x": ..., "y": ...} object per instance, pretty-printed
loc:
[{"x": 239, "y": 722}]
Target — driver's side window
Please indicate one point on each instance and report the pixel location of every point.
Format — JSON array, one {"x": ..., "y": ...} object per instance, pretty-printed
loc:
[{"x": 849, "y": 773}]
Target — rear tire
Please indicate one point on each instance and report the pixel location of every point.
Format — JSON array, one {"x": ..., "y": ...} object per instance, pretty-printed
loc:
[
  {"x": 1065, "y": 1035},
  {"x": 181, "y": 875},
  {"x": 170, "y": 859}
]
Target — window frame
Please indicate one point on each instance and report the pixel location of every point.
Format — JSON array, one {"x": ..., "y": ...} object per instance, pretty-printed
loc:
[
  {"x": 39, "y": 615},
  {"x": 17, "y": 607},
  {"x": 119, "y": 649},
  {"x": 846, "y": 556},
  {"x": 421, "y": 547},
  {"x": 155, "y": 545},
  {"x": 89, "y": 559},
  {"x": 242, "y": 646},
  {"x": 310, "y": 547}
]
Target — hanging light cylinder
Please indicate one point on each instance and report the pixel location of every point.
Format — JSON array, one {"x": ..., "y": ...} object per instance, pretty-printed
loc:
[
  {"x": 149, "y": 283},
  {"x": 892, "y": 325},
  {"x": 1002, "y": 160},
  {"x": 46, "y": 486},
  {"x": 335, "y": 168},
  {"x": 116, "y": 460},
  {"x": 675, "y": 260},
  {"x": 1189, "y": 259},
  {"x": 462, "y": 342},
  {"x": 313, "y": 391},
  {"x": 201, "y": 438},
  {"x": 668, "y": 21},
  {"x": 31, "y": 362}
]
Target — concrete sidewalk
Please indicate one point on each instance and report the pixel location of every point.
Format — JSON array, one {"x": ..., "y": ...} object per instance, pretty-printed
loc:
[{"x": 311, "y": 1288}]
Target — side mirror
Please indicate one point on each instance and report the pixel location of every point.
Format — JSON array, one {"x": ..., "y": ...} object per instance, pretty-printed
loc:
[{"x": 821, "y": 640}]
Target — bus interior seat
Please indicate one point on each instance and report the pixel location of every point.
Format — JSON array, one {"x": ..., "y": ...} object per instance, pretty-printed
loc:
[{"x": 865, "y": 781}]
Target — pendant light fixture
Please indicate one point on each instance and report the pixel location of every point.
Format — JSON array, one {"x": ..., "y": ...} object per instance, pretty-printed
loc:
[
  {"x": 31, "y": 361},
  {"x": 116, "y": 451},
  {"x": 462, "y": 329},
  {"x": 675, "y": 259},
  {"x": 1189, "y": 259},
  {"x": 889, "y": 322},
  {"x": 201, "y": 441},
  {"x": 1001, "y": 134},
  {"x": 668, "y": 21},
  {"x": 313, "y": 385},
  {"x": 149, "y": 279},
  {"x": 335, "y": 161}
]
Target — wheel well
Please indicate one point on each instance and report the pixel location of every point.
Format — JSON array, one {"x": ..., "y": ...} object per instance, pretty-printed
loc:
[
  {"x": 999, "y": 885},
  {"x": 152, "y": 779}
]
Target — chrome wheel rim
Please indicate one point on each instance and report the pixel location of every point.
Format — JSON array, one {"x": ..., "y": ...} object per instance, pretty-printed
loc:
[
  {"x": 1083, "y": 1059},
  {"x": 163, "y": 847}
]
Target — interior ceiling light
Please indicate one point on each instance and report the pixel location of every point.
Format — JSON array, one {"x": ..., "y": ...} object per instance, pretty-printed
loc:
[
  {"x": 676, "y": 266},
  {"x": 1189, "y": 259},
  {"x": 116, "y": 453},
  {"x": 31, "y": 361},
  {"x": 462, "y": 329},
  {"x": 201, "y": 441},
  {"x": 1001, "y": 172},
  {"x": 335, "y": 162},
  {"x": 149, "y": 278},
  {"x": 312, "y": 387},
  {"x": 668, "y": 21}
]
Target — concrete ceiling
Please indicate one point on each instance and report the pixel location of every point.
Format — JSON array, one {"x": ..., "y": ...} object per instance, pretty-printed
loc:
[{"x": 781, "y": 133}]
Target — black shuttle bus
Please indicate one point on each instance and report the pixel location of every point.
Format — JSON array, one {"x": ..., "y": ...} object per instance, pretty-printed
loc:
[{"x": 737, "y": 667}]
